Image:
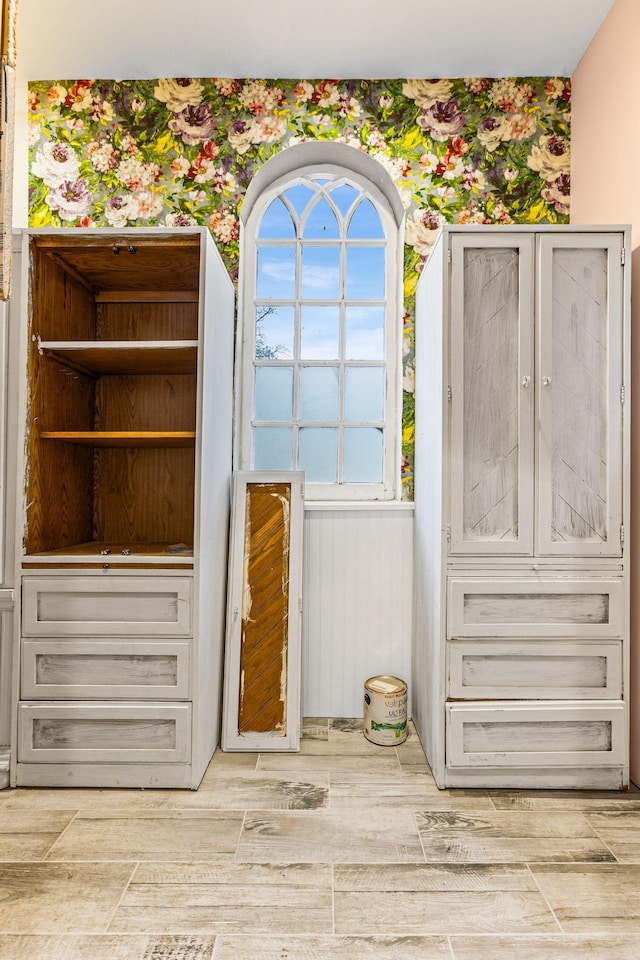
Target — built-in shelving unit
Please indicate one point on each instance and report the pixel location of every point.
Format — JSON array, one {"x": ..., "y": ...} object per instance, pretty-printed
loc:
[{"x": 126, "y": 407}]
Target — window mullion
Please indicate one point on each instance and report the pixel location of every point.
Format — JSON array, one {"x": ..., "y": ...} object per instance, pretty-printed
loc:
[{"x": 360, "y": 313}]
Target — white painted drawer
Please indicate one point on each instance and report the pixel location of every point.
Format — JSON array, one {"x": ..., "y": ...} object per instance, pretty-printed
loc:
[
  {"x": 587, "y": 608},
  {"x": 547, "y": 734},
  {"x": 535, "y": 669},
  {"x": 106, "y": 606},
  {"x": 104, "y": 732},
  {"x": 101, "y": 669}
]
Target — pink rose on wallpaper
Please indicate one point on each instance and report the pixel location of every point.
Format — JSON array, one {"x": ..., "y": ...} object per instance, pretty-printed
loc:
[
  {"x": 442, "y": 120},
  {"x": 71, "y": 198},
  {"x": 558, "y": 193},
  {"x": 194, "y": 123}
]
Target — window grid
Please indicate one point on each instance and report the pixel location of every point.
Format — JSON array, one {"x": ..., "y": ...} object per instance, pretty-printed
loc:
[{"x": 342, "y": 303}]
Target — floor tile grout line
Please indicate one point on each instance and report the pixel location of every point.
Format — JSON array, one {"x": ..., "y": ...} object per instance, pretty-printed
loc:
[
  {"x": 603, "y": 842},
  {"x": 539, "y": 888},
  {"x": 333, "y": 899},
  {"x": 45, "y": 855},
  {"x": 416, "y": 813},
  {"x": 136, "y": 864},
  {"x": 236, "y": 854},
  {"x": 450, "y": 944}
]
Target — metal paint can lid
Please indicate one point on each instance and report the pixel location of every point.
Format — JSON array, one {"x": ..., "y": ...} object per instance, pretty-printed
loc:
[{"x": 389, "y": 686}]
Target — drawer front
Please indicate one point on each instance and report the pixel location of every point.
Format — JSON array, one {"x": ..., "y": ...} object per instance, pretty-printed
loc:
[
  {"x": 535, "y": 669},
  {"x": 104, "y": 733},
  {"x": 100, "y": 670},
  {"x": 106, "y": 606},
  {"x": 585, "y": 609},
  {"x": 546, "y": 734}
]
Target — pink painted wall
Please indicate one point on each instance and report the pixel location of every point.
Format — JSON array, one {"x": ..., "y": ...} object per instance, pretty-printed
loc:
[{"x": 605, "y": 188}]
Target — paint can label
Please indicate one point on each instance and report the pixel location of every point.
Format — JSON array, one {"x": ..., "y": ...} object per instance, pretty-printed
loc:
[{"x": 385, "y": 711}]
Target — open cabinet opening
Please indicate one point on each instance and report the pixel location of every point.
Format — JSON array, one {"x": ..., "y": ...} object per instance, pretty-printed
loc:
[{"x": 112, "y": 397}]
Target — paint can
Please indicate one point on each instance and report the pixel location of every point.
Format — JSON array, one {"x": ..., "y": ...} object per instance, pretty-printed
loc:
[{"x": 385, "y": 711}]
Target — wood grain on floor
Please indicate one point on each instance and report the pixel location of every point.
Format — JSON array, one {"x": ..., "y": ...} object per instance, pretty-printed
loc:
[{"x": 344, "y": 851}]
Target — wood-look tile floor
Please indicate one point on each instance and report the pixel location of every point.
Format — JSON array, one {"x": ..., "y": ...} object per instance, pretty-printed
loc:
[{"x": 345, "y": 851}]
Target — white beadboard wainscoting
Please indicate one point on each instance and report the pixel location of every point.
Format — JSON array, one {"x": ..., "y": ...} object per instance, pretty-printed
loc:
[{"x": 358, "y": 589}]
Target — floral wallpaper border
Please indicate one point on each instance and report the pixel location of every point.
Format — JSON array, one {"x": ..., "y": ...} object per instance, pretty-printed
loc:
[{"x": 179, "y": 152}]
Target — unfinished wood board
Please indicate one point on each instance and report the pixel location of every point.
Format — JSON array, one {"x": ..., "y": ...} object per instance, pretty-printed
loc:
[
  {"x": 124, "y": 263},
  {"x": 125, "y": 357},
  {"x": 123, "y": 438},
  {"x": 262, "y": 671}
]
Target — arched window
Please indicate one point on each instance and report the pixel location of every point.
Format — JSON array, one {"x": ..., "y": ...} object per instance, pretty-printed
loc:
[{"x": 321, "y": 331}]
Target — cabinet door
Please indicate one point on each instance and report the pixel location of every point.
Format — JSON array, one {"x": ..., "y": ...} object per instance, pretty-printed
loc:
[
  {"x": 579, "y": 374},
  {"x": 492, "y": 405}
]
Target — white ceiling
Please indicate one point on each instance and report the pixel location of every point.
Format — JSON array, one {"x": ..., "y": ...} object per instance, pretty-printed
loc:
[{"x": 130, "y": 39}]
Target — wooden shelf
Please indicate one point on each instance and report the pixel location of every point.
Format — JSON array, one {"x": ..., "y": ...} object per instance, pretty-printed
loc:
[
  {"x": 97, "y": 554},
  {"x": 124, "y": 356},
  {"x": 97, "y": 548},
  {"x": 119, "y": 438}
]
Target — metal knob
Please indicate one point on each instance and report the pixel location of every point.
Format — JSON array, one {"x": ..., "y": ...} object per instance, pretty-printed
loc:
[
  {"x": 546, "y": 381},
  {"x": 526, "y": 381}
]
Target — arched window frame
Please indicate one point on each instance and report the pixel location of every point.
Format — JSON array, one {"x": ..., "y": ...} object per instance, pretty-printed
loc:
[{"x": 315, "y": 160}]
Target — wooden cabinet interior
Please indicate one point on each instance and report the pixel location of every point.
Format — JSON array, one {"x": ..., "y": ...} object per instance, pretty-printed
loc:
[{"x": 113, "y": 394}]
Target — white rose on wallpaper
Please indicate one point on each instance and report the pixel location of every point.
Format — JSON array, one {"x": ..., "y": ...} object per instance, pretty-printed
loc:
[
  {"x": 409, "y": 378},
  {"x": 491, "y": 132},
  {"x": 427, "y": 92},
  {"x": 551, "y": 157},
  {"x": 55, "y": 162},
  {"x": 119, "y": 210},
  {"x": 178, "y": 94},
  {"x": 71, "y": 199},
  {"x": 422, "y": 229},
  {"x": 240, "y": 135},
  {"x": 179, "y": 220}
]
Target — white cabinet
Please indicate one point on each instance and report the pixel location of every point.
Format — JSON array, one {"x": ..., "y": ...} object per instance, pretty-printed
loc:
[
  {"x": 536, "y": 413},
  {"x": 521, "y": 490},
  {"x": 125, "y": 420}
]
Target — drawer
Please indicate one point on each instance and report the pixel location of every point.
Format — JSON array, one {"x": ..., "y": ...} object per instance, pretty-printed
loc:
[
  {"x": 104, "y": 732},
  {"x": 586, "y": 609},
  {"x": 106, "y": 606},
  {"x": 544, "y": 734},
  {"x": 99, "y": 669},
  {"x": 535, "y": 669}
]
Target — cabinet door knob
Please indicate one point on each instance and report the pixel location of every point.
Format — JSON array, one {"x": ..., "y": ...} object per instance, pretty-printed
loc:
[
  {"x": 546, "y": 381},
  {"x": 526, "y": 381}
]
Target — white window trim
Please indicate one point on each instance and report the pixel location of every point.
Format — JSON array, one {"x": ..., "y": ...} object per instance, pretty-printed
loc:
[{"x": 388, "y": 206}]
